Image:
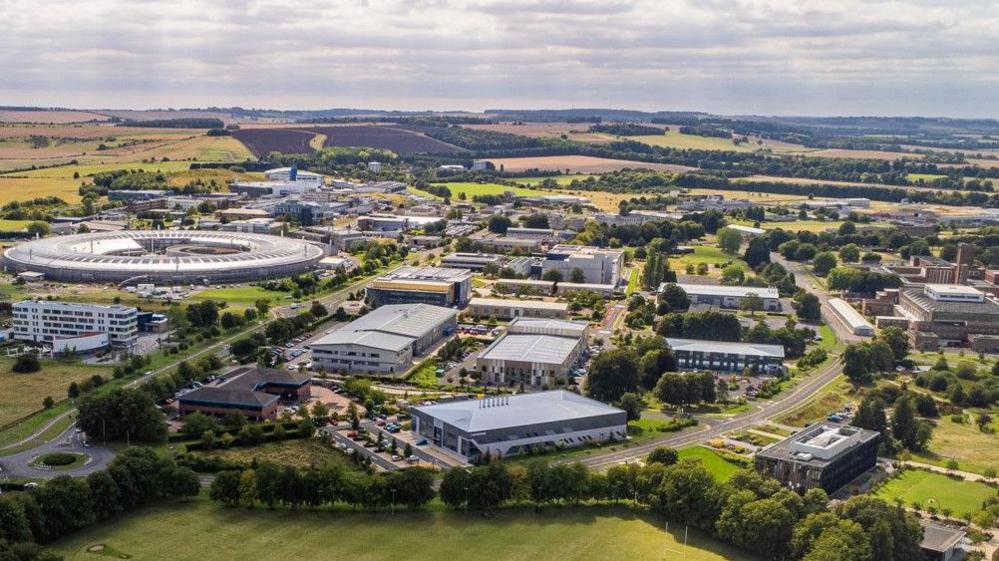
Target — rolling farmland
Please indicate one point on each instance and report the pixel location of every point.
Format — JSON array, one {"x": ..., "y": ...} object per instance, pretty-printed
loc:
[
  {"x": 399, "y": 140},
  {"x": 578, "y": 164},
  {"x": 264, "y": 141}
]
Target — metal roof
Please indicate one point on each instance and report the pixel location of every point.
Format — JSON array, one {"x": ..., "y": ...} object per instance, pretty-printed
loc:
[
  {"x": 726, "y": 347},
  {"x": 390, "y": 327},
  {"x": 536, "y": 304},
  {"x": 724, "y": 290},
  {"x": 475, "y": 415},
  {"x": 547, "y": 349}
]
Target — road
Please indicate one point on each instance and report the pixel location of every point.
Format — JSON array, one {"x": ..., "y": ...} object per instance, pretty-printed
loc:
[
  {"x": 18, "y": 465},
  {"x": 709, "y": 428}
]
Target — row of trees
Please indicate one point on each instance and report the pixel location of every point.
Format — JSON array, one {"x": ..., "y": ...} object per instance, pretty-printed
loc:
[{"x": 136, "y": 477}]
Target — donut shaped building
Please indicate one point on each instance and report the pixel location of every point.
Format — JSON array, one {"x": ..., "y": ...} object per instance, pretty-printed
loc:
[{"x": 164, "y": 257}]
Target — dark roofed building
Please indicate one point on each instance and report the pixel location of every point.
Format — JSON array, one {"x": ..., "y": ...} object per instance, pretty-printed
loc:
[
  {"x": 251, "y": 391},
  {"x": 824, "y": 455},
  {"x": 940, "y": 542}
]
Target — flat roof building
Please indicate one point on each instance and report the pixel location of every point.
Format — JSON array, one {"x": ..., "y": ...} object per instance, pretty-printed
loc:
[
  {"x": 385, "y": 340},
  {"x": 727, "y": 356},
  {"x": 439, "y": 286},
  {"x": 824, "y": 455},
  {"x": 519, "y": 424},
  {"x": 472, "y": 261},
  {"x": 535, "y": 353},
  {"x": 949, "y": 315},
  {"x": 70, "y": 326},
  {"x": 598, "y": 265},
  {"x": 724, "y": 296},
  {"x": 940, "y": 542},
  {"x": 510, "y": 309}
]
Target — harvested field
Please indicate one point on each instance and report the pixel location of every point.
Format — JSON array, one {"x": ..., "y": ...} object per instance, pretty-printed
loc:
[
  {"x": 579, "y": 164},
  {"x": 50, "y": 117},
  {"x": 264, "y": 141},
  {"x": 154, "y": 114},
  {"x": 90, "y": 131},
  {"x": 862, "y": 154},
  {"x": 572, "y": 131},
  {"x": 27, "y": 188},
  {"x": 399, "y": 140}
]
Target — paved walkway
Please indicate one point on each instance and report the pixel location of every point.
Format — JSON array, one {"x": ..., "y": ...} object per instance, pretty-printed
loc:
[{"x": 966, "y": 475}]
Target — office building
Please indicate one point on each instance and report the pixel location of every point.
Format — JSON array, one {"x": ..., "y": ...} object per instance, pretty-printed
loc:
[
  {"x": 950, "y": 316},
  {"x": 385, "y": 340},
  {"x": 250, "y": 391},
  {"x": 598, "y": 265},
  {"x": 421, "y": 285},
  {"x": 472, "y": 261},
  {"x": 727, "y": 356},
  {"x": 825, "y": 456},
  {"x": 69, "y": 326},
  {"x": 292, "y": 174},
  {"x": 520, "y": 424},
  {"x": 729, "y": 297},
  {"x": 306, "y": 213},
  {"x": 509, "y": 309}
]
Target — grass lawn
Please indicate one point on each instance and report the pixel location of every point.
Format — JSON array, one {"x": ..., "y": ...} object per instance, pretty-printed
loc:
[
  {"x": 937, "y": 489},
  {"x": 30, "y": 425},
  {"x": 13, "y": 225},
  {"x": 560, "y": 179},
  {"x": 241, "y": 296},
  {"x": 705, "y": 254},
  {"x": 22, "y": 394},
  {"x": 194, "y": 530},
  {"x": 296, "y": 453},
  {"x": 719, "y": 467},
  {"x": 424, "y": 375},
  {"x": 830, "y": 398},
  {"x": 473, "y": 189},
  {"x": 828, "y": 341},
  {"x": 27, "y": 188},
  {"x": 973, "y": 449},
  {"x": 632, "y": 282}
]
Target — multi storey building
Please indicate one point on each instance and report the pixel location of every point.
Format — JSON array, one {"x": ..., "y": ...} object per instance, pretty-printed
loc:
[
  {"x": 534, "y": 352},
  {"x": 726, "y": 356},
  {"x": 598, "y": 265},
  {"x": 71, "y": 326},
  {"x": 729, "y": 296},
  {"x": 421, "y": 285},
  {"x": 824, "y": 455}
]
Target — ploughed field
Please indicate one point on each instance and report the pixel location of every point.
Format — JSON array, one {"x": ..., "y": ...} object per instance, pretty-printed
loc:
[{"x": 264, "y": 141}]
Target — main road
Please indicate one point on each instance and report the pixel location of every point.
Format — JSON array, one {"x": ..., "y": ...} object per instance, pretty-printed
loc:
[{"x": 713, "y": 427}]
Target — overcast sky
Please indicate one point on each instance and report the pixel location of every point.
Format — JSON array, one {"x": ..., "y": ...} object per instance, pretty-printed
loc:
[{"x": 815, "y": 57}]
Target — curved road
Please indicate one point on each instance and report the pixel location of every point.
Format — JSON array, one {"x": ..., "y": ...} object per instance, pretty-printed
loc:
[{"x": 19, "y": 465}]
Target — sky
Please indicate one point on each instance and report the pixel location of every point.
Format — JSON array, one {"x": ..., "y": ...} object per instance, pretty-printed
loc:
[{"x": 772, "y": 57}]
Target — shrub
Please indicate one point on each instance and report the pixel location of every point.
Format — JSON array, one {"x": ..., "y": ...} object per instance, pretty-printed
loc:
[{"x": 58, "y": 459}]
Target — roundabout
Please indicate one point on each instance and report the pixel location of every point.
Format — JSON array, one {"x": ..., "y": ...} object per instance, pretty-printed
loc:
[{"x": 164, "y": 257}]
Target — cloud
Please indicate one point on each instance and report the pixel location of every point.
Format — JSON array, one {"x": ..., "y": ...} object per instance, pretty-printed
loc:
[{"x": 731, "y": 56}]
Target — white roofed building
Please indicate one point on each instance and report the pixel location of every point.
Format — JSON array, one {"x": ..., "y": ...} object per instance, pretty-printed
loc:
[
  {"x": 519, "y": 424},
  {"x": 538, "y": 353}
]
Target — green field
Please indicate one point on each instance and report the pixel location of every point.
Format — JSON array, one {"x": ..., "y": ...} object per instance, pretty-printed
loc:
[
  {"x": 719, "y": 467},
  {"x": 13, "y": 225},
  {"x": 473, "y": 189},
  {"x": 938, "y": 490},
  {"x": 301, "y": 453},
  {"x": 830, "y": 398},
  {"x": 195, "y": 531},
  {"x": 973, "y": 449},
  {"x": 560, "y": 179},
  {"x": 22, "y": 394},
  {"x": 674, "y": 139},
  {"x": 709, "y": 254},
  {"x": 632, "y": 282},
  {"x": 424, "y": 375},
  {"x": 241, "y": 296}
]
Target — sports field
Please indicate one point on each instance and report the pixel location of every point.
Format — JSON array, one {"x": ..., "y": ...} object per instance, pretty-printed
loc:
[
  {"x": 937, "y": 490},
  {"x": 195, "y": 530}
]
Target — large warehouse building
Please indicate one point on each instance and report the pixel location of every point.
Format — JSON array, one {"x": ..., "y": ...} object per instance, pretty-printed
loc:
[
  {"x": 385, "y": 340},
  {"x": 519, "y": 424},
  {"x": 534, "y": 352},
  {"x": 437, "y": 286},
  {"x": 164, "y": 257},
  {"x": 826, "y": 456},
  {"x": 851, "y": 318},
  {"x": 509, "y": 309}
]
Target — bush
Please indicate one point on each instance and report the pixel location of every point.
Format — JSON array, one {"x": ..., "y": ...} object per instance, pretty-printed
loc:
[
  {"x": 58, "y": 459},
  {"x": 26, "y": 364}
]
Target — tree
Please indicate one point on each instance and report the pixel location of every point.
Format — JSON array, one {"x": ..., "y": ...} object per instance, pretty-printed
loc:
[
  {"x": 751, "y": 303},
  {"x": 674, "y": 297},
  {"x": 203, "y": 314},
  {"x": 613, "y": 374},
  {"x": 535, "y": 220},
  {"x": 498, "y": 224},
  {"x": 733, "y": 274},
  {"x": 729, "y": 240},
  {"x": 904, "y": 426},
  {"x": 663, "y": 455},
  {"x": 893, "y": 533},
  {"x": 824, "y": 262},
  {"x": 849, "y": 253},
  {"x": 577, "y": 276},
  {"x": 226, "y": 488},
  {"x": 198, "y": 423},
  {"x": 262, "y": 305},
  {"x": 809, "y": 308},
  {"x": 757, "y": 252},
  {"x": 40, "y": 229},
  {"x": 26, "y": 363},
  {"x": 897, "y": 340},
  {"x": 318, "y": 310},
  {"x": 552, "y": 275},
  {"x": 856, "y": 364},
  {"x": 632, "y": 404},
  {"x": 871, "y": 414},
  {"x": 688, "y": 493}
]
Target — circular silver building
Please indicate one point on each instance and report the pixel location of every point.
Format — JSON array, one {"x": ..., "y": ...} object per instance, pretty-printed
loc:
[{"x": 164, "y": 257}]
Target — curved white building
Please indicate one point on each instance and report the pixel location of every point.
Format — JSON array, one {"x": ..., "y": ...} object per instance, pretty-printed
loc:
[{"x": 165, "y": 257}]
